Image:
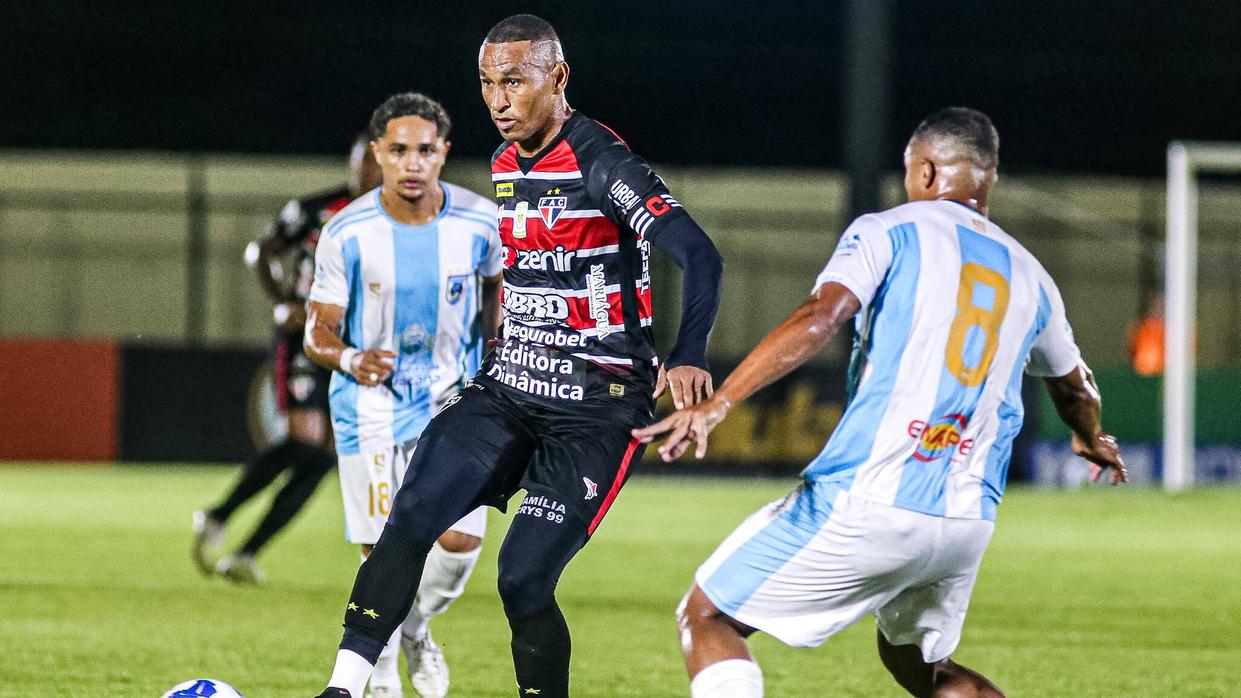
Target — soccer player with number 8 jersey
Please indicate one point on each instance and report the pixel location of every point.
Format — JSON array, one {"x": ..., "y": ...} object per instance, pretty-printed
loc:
[{"x": 893, "y": 516}]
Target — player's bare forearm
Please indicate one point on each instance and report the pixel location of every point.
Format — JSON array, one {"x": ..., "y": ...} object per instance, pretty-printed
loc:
[
  {"x": 802, "y": 335},
  {"x": 489, "y": 309},
  {"x": 790, "y": 345},
  {"x": 369, "y": 367},
  {"x": 1077, "y": 401},
  {"x": 322, "y": 342}
]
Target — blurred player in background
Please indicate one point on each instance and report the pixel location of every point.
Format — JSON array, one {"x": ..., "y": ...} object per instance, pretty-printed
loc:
[
  {"x": 409, "y": 276},
  {"x": 283, "y": 260},
  {"x": 893, "y": 516},
  {"x": 551, "y": 410}
]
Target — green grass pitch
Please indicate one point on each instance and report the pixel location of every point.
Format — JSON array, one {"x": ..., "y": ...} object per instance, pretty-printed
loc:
[{"x": 1091, "y": 593}]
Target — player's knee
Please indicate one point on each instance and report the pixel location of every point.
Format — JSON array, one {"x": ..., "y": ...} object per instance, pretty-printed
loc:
[
  {"x": 457, "y": 542},
  {"x": 695, "y": 609},
  {"x": 524, "y": 585}
]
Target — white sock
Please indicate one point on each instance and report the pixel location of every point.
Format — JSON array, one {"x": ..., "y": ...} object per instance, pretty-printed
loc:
[
  {"x": 387, "y": 668},
  {"x": 731, "y": 678},
  {"x": 443, "y": 581},
  {"x": 350, "y": 673}
]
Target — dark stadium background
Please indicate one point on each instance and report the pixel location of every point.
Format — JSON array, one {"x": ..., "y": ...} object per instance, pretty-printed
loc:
[
  {"x": 1097, "y": 86},
  {"x": 748, "y": 108}
]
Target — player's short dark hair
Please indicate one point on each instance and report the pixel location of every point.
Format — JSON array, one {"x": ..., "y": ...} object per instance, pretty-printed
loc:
[
  {"x": 409, "y": 104},
  {"x": 969, "y": 127},
  {"x": 521, "y": 28}
]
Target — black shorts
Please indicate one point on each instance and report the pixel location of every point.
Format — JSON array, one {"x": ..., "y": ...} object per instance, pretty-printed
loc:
[
  {"x": 300, "y": 383},
  {"x": 572, "y": 461}
]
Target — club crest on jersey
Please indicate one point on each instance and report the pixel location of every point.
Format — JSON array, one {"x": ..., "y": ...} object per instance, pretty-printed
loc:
[
  {"x": 550, "y": 208},
  {"x": 592, "y": 490},
  {"x": 455, "y": 288}
]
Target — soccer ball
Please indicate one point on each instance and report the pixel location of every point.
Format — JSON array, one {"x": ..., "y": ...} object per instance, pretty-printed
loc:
[{"x": 200, "y": 688}]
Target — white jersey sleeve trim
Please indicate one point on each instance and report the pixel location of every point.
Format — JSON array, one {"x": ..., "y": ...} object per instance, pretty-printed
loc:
[{"x": 861, "y": 259}]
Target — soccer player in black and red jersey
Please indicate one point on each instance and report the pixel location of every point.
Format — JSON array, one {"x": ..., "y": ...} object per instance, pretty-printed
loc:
[
  {"x": 283, "y": 259},
  {"x": 552, "y": 408}
]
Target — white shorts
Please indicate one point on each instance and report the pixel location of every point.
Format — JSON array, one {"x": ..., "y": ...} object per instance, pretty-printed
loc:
[
  {"x": 368, "y": 483},
  {"x": 810, "y": 565}
]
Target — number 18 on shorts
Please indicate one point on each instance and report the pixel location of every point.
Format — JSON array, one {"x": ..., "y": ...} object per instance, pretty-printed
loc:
[{"x": 368, "y": 483}]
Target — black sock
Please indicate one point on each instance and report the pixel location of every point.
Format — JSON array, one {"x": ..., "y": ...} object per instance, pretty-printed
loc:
[
  {"x": 541, "y": 649},
  {"x": 307, "y": 473},
  {"x": 384, "y": 591},
  {"x": 258, "y": 473}
]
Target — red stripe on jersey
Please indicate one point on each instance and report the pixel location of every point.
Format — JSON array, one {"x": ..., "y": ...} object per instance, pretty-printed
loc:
[
  {"x": 507, "y": 162},
  {"x": 616, "y": 487},
  {"x": 579, "y": 312},
  {"x": 644, "y": 303},
  {"x": 614, "y": 133},
  {"x": 573, "y": 233},
  {"x": 560, "y": 159}
]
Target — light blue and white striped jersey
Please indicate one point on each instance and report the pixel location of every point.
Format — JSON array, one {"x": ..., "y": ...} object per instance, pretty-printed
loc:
[
  {"x": 953, "y": 310},
  {"x": 413, "y": 290}
]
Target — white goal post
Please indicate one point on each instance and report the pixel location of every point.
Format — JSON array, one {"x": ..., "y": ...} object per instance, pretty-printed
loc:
[{"x": 1185, "y": 161}]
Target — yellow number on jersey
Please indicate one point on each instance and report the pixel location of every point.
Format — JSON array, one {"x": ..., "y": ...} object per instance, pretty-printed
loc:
[{"x": 970, "y": 316}]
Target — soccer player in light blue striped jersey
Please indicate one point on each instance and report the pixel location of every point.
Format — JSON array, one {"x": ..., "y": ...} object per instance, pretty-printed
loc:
[
  {"x": 405, "y": 295},
  {"x": 893, "y": 516}
]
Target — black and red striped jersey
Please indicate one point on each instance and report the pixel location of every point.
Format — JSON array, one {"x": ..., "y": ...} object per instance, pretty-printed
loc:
[
  {"x": 577, "y": 221},
  {"x": 298, "y": 227}
]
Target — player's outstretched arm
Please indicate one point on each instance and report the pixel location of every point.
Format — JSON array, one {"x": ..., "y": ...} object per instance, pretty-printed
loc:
[
  {"x": 685, "y": 373},
  {"x": 322, "y": 343},
  {"x": 790, "y": 345},
  {"x": 1076, "y": 397}
]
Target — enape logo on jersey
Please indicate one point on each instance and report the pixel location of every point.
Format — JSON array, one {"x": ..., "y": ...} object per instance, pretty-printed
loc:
[
  {"x": 504, "y": 190},
  {"x": 550, "y": 208},
  {"x": 592, "y": 490},
  {"x": 623, "y": 196},
  {"x": 596, "y": 288},
  {"x": 544, "y": 306},
  {"x": 454, "y": 288},
  {"x": 557, "y": 259},
  {"x": 940, "y": 437}
]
